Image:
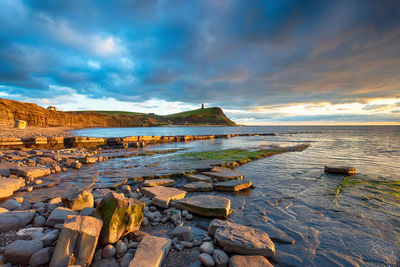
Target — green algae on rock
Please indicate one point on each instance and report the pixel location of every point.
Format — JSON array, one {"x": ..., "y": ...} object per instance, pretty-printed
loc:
[{"x": 120, "y": 216}]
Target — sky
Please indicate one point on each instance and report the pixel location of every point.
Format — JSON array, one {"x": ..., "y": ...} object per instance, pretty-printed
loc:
[{"x": 264, "y": 62}]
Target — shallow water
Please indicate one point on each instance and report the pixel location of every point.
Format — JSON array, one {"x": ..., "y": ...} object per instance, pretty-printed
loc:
[{"x": 293, "y": 196}]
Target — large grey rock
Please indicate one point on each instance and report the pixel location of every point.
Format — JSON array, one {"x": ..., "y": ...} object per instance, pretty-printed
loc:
[
  {"x": 42, "y": 257},
  {"x": 249, "y": 261},
  {"x": 198, "y": 187},
  {"x": 159, "y": 182},
  {"x": 39, "y": 221},
  {"x": 220, "y": 258},
  {"x": 183, "y": 233},
  {"x": 223, "y": 174},
  {"x": 206, "y": 260},
  {"x": 108, "y": 251},
  {"x": 151, "y": 252},
  {"x": 206, "y": 205},
  {"x": 198, "y": 178},
  {"x": 162, "y": 196},
  {"x": 207, "y": 247},
  {"x": 120, "y": 216},
  {"x": 49, "y": 238},
  {"x": 233, "y": 185},
  {"x": 11, "y": 204},
  {"x": 9, "y": 185},
  {"x": 15, "y": 219},
  {"x": 236, "y": 238},
  {"x": 20, "y": 251},
  {"x": 77, "y": 241},
  {"x": 58, "y": 215}
]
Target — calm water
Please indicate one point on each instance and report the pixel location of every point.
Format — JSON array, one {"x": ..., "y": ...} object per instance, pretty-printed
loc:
[{"x": 293, "y": 198}]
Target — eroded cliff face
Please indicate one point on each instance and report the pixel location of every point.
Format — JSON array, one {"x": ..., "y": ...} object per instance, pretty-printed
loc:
[{"x": 35, "y": 115}]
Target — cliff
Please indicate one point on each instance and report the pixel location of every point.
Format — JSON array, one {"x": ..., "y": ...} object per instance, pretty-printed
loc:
[{"x": 35, "y": 115}]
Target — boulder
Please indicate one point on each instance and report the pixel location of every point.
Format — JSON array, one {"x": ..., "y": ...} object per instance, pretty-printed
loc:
[
  {"x": 158, "y": 182},
  {"x": 108, "y": 251},
  {"x": 58, "y": 215},
  {"x": 9, "y": 185},
  {"x": 80, "y": 200},
  {"x": 42, "y": 257},
  {"x": 198, "y": 187},
  {"x": 198, "y": 178},
  {"x": 151, "y": 251},
  {"x": 11, "y": 204},
  {"x": 31, "y": 172},
  {"x": 77, "y": 241},
  {"x": 162, "y": 196},
  {"x": 207, "y": 247},
  {"x": 20, "y": 251},
  {"x": 120, "y": 216},
  {"x": 206, "y": 260},
  {"x": 233, "y": 185},
  {"x": 15, "y": 219},
  {"x": 236, "y": 238},
  {"x": 249, "y": 261},
  {"x": 206, "y": 205}
]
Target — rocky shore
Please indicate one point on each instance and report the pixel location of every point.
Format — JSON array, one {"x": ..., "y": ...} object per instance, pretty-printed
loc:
[{"x": 149, "y": 222}]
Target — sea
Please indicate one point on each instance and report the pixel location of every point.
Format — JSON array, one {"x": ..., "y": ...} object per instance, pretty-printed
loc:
[{"x": 314, "y": 218}]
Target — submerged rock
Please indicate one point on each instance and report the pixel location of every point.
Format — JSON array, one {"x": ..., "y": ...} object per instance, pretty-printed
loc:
[
  {"x": 151, "y": 252},
  {"x": 158, "y": 182},
  {"x": 206, "y": 205},
  {"x": 233, "y": 185},
  {"x": 232, "y": 237},
  {"x": 77, "y": 241},
  {"x": 249, "y": 261},
  {"x": 198, "y": 187},
  {"x": 120, "y": 216},
  {"x": 162, "y": 196}
]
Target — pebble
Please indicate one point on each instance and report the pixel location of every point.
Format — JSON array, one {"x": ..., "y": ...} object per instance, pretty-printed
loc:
[
  {"x": 178, "y": 247},
  {"x": 29, "y": 189},
  {"x": 189, "y": 217},
  {"x": 38, "y": 182},
  {"x": 184, "y": 213},
  {"x": 108, "y": 251},
  {"x": 133, "y": 244},
  {"x": 206, "y": 259},
  {"x": 187, "y": 244},
  {"x": 153, "y": 208},
  {"x": 11, "y": 204},
  {"x": 145, "y": 221},
  {"x": 19, "y": 199},
  {"x": 38, "y": 205},
  {"x": 207, "y": 247}
]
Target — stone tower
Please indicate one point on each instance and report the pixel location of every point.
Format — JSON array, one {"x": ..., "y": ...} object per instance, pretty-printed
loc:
[{"x": 202, "y": 106}]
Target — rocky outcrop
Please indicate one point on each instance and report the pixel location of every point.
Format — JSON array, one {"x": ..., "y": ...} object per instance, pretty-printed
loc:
[
  {"x": 120, "y": 216},
  {"x": 34, "y": 115},
  {"x": 77, "y": 241},
  {"x": 9, "y": 185}
]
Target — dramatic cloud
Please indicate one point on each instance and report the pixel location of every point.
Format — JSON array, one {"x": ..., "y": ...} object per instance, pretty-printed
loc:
[{"x": 313, "y": 58}]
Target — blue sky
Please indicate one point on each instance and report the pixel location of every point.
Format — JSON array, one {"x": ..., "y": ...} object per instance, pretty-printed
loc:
[{"x": 263, "y": 62}]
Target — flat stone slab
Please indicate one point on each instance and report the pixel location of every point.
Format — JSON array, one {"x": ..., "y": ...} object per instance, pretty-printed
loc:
[
  {"x": 206, "y": 205},
  {"x": 340, "y": 170},
  {"x": 31, "y": 172},
  {"x": 249, "y": 261},
  {"x": 162, "y": 196},
  {"x": 198, "y": 178},
  {"x": 198, "y": 187},
  {"x": 236, "y": 238},
  {"x": 151, "y": 252},
  {"x": 9, "y": 185},
  {"x": 233, "y": 185},
  {"x": 223, "y": 174},
  {"x": 15, "y": 219},
  {"x": 158, "y": 182}
]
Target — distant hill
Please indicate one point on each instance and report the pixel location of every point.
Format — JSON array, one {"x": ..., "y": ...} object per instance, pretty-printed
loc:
[{"x": 35, "y": 115}]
